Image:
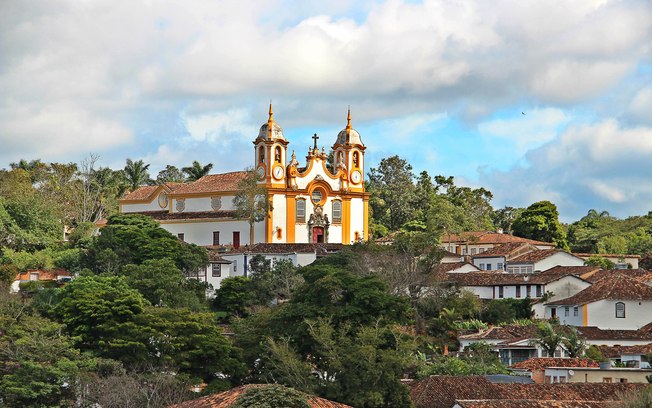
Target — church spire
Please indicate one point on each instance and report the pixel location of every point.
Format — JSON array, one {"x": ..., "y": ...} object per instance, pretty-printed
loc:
[
  {"x": 270, "y": 121},
  {"x": 348, "y": 120}
]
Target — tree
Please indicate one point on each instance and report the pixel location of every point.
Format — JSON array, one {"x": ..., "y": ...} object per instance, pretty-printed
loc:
[
  {"x": 504, "y": 218},
  {"x": 234, "y": 296},
  {"x": 135, "y": 172},
  {"x": 392, "y": 183},
  {"x": 197, "y": 171},
  {"x": 599, "y": 261},
  {"x": 548, "y": 337},
  {"x": 251, "y": 202},
  {"x": 540, "y": 222},
  {"x": 573, "y": 342},
  {"x": 270, "y": 396},
  {"x": 170, "y": 174}
]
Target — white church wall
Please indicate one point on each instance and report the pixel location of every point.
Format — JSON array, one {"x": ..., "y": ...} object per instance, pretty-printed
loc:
[
  {"x": 201, "y": 233},
  {"x": 153, "y": 206},
  {"x": 357, "y": 219},
  {"x": 278, "y": 218},
  {"x": 335, "y": 234}
]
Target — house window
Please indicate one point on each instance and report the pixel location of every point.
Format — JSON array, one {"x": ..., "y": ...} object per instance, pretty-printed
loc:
[
  {"x": 620, "y": 310},
  {"x": 216, "y": 270},
  {"x": 301, "y": 210},
  {"x": 236, "y": 239},
  {"x": 529, "y": 290},
  {"x": 538, "y": 290},
  {"x": 216, "y": 237},
  {"x": 500, "y": 266},
  {"x": 553, "y": 312},
  {"x": 482, "y": 266},
  {"x": 235, "y": 266},
  {"x": 501, "y": 293},
  {"x": 606, "y": 380},
  {"x": 463, "y": 251},
  {"x": 576, "y": 311},
  {"x": 488, "y": 267},
  {"x": 261, "y": 154},
  {"x": 566, "y": 311},
  {"x": 623, "y": 380},
  {"x": 337, "y": 211},
  {"x": 518, "y": 291},
  {"x": 181, "y": 236},
  {"x": 472, "y": 251},
  {"x": 480, "y": 250},
  {"x": 33, "y": 276}
]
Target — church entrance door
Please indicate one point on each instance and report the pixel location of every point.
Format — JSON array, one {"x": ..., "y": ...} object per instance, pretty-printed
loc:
[{"x": 317, "y": 235}]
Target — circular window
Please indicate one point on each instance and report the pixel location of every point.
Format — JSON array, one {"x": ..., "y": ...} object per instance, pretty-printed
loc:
[{"x": 317, "y": 196}]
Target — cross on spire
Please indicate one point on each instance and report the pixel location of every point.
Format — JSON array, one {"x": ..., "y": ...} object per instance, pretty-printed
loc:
[{"x": 315, "y": 137}]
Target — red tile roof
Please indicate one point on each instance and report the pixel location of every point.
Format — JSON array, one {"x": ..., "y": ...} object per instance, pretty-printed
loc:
[
  {"x": 544, "y": 362},
  {"x": 514, "y": 332},
  {"x": 43, "y": 275},
  {"x": 581, "y": 271},
  {"x": 488, "y": 237},
  {"x": 507, "y": 250},
  {"x": 605, "y": 273},
  {"x": 263, "y": 248},
  {"x": 615, "y": 287},
  {"x": 500, "y": 278},
  {"x": 451, "y": 266},
  {"x": 536, "y": 256},
  {"x": 443, "y": 391},
  {"x": 617, "y": 351},
  {"x": 141, "y": 193},
  {"x": 228, "y": 398},
  {"x": 212, "y": 183},
  {"x": 525, "y": 403},
  {"x": 596, "y": 333}
]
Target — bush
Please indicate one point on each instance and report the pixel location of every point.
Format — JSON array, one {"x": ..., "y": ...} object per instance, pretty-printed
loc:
[
  {"x": 35, "y": 286},
  {"x": 271, "y": 396}
]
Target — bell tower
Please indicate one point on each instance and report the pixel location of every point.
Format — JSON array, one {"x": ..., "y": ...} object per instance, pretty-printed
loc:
[
  {"x": 348, "y": 153},
  {"x": 270, "y": 152}
]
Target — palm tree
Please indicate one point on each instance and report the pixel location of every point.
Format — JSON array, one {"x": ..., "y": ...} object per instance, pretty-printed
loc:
[
  {"x": 548, "y": 337},
  {"x": 573, "y": 342},
  {"x": 135, "y": 173},
  {"x": 197, "y": 171}
]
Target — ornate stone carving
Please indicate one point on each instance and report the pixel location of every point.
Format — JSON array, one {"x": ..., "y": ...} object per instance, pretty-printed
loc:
[{"x": 181, "y": 204}]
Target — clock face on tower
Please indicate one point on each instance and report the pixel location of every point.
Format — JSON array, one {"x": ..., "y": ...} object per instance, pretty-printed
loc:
[
  {"x": 278, "y": 172},
  {"x": 356, "y": 177}
]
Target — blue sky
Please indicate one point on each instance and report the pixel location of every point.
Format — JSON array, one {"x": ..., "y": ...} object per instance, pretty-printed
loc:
[{"x": 532, "y": 100}]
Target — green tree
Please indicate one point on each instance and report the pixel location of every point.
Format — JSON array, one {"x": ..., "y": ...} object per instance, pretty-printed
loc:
[
  {"x": 504, "y": 218},
  {"x": 392, "y": 185},
  {"x": 170, "y": 174},
  {"x": 548, "y": 337},
  {"x": 135, "y": 173},
  {"x": 234, "y": 296},
  {"x": 197, "y": 171},
  {"x": 271, "y": 396},
  {"x": 540, "y": 222},
  {"x": 599, "y": 261},
  {"x": 251, "y": 202},
  {"x": 573, "y": 342}
]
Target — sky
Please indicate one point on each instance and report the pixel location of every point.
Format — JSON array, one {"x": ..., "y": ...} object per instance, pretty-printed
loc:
[{"x": 533, "y": 100}]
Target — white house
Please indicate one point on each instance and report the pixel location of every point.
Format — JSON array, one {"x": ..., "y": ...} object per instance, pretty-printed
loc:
[
  {"x": 622, "y": 261},
  {"x": 542, "y": 260},
  {"x": 614, "y": 302},
  {"x": 476, "y": 242},
  {"x": 496, "y": 258}
]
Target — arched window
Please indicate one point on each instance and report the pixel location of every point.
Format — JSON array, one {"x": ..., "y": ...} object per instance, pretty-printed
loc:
[
  {"x": 337, "y": 212},
  {"x": 356, "y": 159},
  {"x": 620, "y": 310},
  {"x": 277, "y": 154},
  {"x": 301, "y": 210},
  {"x": 261, "y": 155}
]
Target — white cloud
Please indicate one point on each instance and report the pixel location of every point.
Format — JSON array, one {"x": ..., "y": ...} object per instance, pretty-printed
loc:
[{"x": 603, "y": 165}]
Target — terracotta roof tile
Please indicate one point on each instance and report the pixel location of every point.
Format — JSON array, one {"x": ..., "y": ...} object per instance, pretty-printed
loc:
[
  {"x": 263, "y": 248},
  {"x": 141, "y": 193},
  {"x": 451, "y": 266},
  {"x": 525, "y": 403},
  {"x": 489, "y": 237},
  {"x": 574, "y": 270},
  {"x": 605, "y": 273},
  {"x": 617, "y": 351},
  {"x": 596, "y": 333},
  {"x": 443, "y": 391},
  {"x": 212, "y": 183},
  {"x": 507, "y": 250},
  {"x": 498, "y": 278},
  {"x": 545, "y": 362},
  {"x": 228, "y": 398},
  {"x": 536, "y": 256},
  {"x": 615, "y": 287}
]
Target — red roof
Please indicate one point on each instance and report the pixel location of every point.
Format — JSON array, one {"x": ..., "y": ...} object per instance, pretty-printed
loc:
[
  {"x": 615, "y": 287},
  {"x": 228, "y": 398},
  {"x": 536, "y": 256},
  {"x": 212, "y": 183},
  {"x": 545, "y": 362},
  {"x": 43, "y": 275},
  {"x": 640, "y": 274},
  {"x": 510, "y": 249},
  {"x": 488, "y": 237},
  {"x": 529, "y": 403}
]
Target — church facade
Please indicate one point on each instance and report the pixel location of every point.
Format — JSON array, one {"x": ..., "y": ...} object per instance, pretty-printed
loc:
[{"x": 313, "y": 203}]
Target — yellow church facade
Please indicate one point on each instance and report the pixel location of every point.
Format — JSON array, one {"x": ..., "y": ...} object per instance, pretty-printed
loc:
[{"x": 310, "y": 203}]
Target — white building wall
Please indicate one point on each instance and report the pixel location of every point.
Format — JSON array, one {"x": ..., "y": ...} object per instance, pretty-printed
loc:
[
  {"x": 201, "y": 233},
  {"x": 561, "y": 259},
  {"x": 483, "y": 292},
  {"x": 493, "y": 262},
  {"x": 603, "y": 314},
  {"x": 464, "y": 268},
  {"x": 153, "y": 206},
  {"x": 566, "y": 287},
  {"x": 357, "y": 219},
  {"x": 566, "y": 315},
  {"x": 279, "y": 218},
  {"x": 317, "y": 170}
]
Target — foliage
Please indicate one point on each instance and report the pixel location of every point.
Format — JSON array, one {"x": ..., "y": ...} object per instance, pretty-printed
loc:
[
  {"x": 504, "y": 310},
  {"x": 473, "y": 324},
  {"x": 234, "y": 296},
  {"x": 599, "y": 261},
  {"x": 392, "y": 187},
  {"x": 170, "y": 174},
  {"x": 594, "y": 353},
  {"x": 271, "y": 396},
  {"x": 477, "y": 359},
  {"x": 8, "y": 273},
  {"x": 504, "y": 218},
  {"x": 573, "y": 342},
  {"x": 548, "y": 337},
  {"x": 273, "y": 283},
  {"x": 135, "y": 174},
  {"x": 637, "y": 399},
  {"x": 540, "y": 221},
  {"x": 134, "y": 239},
  {"x": 196, "y": 171},
  {"x": 251, "y": 201},
  {"x": 163, "y": 284}
]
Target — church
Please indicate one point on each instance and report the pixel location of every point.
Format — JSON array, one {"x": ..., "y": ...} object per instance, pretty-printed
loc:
[{"x": 310, "y": 203}]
